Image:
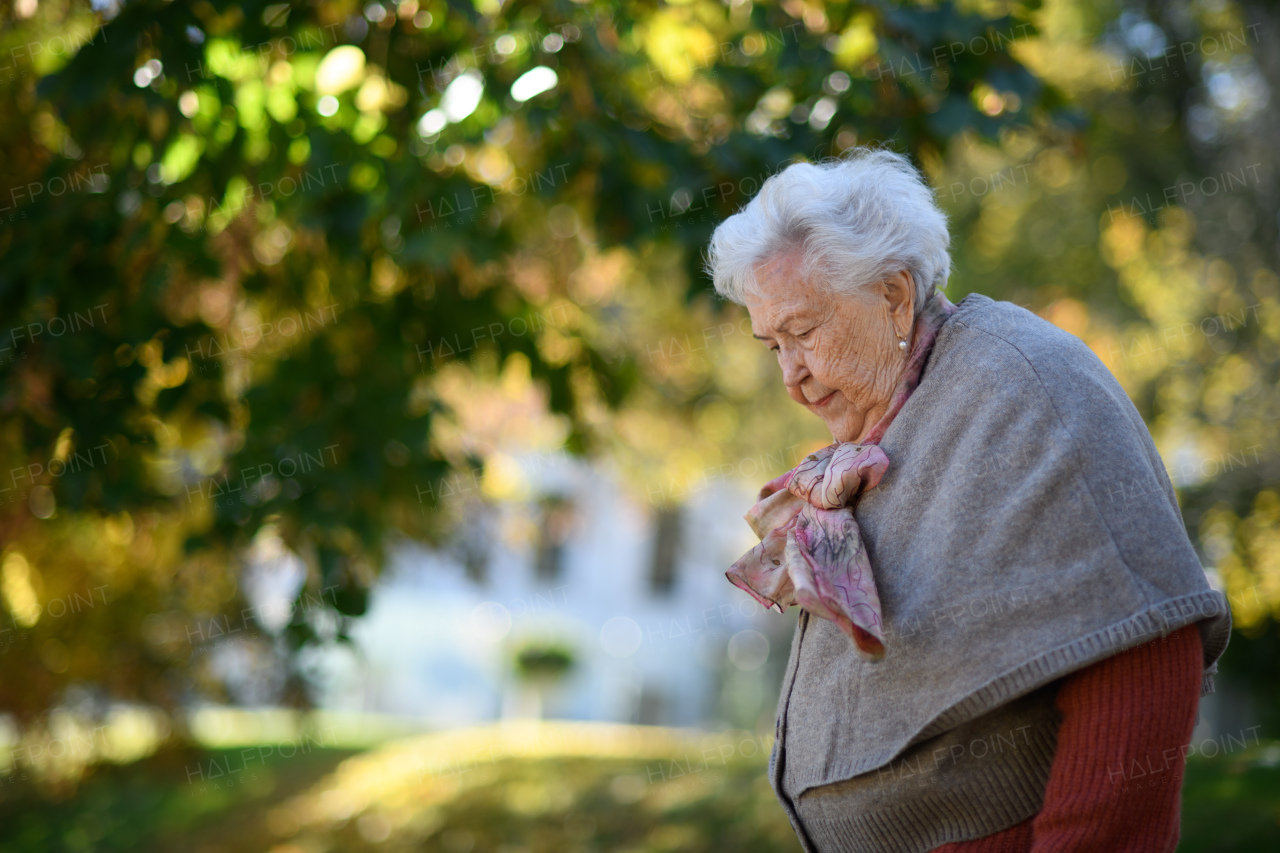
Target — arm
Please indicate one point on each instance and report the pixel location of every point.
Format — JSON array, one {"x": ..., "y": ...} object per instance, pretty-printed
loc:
[{"x": 1116, "y": 782}]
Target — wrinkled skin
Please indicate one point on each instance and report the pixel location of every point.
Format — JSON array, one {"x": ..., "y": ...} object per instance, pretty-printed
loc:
[
  {"x": 811, "y": 552},
  {"x": 839, "y": 354}
]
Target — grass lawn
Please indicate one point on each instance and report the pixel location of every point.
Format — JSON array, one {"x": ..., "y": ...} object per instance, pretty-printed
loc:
[
  {"x": 529, "y": 788},
  {"x": 1232, "y": 803}
]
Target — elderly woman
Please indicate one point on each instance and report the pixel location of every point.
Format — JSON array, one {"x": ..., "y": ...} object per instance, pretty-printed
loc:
[{"x": 1005, "y": 630}]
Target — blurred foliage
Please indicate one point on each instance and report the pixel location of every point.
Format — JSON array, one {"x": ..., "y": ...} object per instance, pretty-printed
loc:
[
  {"x": 293, "y": 226},
  {"x": 1232, "y": 802},
  {"x": 548, "y": 786},
  {"x": 156, "y": 804},
  {"x": 543, "y": 662},
  {"x": 1152, "y": 234},
  {"x": 276, "y": 275},
  {"x": 547, "y": 789}
]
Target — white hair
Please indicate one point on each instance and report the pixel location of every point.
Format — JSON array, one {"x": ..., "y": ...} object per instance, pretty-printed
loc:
[{"x": 856, "y": 220}]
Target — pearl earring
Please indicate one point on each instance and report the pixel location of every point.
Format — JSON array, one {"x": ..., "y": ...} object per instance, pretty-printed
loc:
[{"x": 902, "y": 344}]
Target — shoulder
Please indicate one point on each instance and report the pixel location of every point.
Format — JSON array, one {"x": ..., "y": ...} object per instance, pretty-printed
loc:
[
  {"x": 1006, "y": 330},
  {"x": 1009, "y": 382},
  {"x": 1011, "y": 352}
]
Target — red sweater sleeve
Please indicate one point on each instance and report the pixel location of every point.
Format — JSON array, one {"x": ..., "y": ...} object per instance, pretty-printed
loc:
[{"x": 1116, "y": 781}]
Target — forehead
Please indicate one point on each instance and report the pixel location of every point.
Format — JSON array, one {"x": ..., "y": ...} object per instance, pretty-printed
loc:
[{"x": 782, "y": 294}]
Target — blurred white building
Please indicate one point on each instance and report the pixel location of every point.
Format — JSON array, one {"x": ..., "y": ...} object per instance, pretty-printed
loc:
[
  {"x": 632, "y": 592},
  {"x": 635, "y": 594}
]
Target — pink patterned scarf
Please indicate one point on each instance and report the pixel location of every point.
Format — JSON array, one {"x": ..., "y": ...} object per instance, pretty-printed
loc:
[{"x": 811, "y": 552}]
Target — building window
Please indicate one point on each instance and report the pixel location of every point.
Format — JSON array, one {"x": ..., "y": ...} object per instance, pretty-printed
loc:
[
  {"x": 553, "y": 531},
  {"x": 666, "y": 544},
  {"x": 652, "y": 707},
  {"x": 475, "y": 560},
  {"x": 472, "y": 546}
]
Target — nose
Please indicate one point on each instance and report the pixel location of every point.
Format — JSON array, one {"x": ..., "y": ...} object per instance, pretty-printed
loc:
[{"x": 794, "y": 370}]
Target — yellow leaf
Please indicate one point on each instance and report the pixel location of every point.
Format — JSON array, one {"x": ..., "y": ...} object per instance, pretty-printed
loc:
[{"x": 340, "y": 70}]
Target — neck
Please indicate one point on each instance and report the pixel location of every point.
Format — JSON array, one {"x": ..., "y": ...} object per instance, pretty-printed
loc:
[{"x": 874, "y": 416}]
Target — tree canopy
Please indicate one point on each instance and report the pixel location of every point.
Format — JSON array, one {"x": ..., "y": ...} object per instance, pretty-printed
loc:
[{"x": 265, "y": 268}]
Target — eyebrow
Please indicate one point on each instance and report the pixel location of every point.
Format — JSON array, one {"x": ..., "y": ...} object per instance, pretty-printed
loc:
[{"x": 783, "y": 326}]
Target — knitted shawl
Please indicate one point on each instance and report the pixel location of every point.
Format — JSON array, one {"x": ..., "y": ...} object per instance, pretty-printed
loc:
[
  {"x": 1026, "y": 529},
  {"x": 810, "y": 552}
]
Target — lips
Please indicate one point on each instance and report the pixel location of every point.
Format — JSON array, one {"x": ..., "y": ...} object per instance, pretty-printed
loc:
[{"x": 824, "y": 400}]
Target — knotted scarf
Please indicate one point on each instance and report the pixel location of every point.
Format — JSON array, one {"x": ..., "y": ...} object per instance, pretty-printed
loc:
[{"x": 811, "y": 552}]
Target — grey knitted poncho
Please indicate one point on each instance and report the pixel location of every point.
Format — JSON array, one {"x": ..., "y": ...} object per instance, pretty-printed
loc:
[{"x": 1024, "y": 528}]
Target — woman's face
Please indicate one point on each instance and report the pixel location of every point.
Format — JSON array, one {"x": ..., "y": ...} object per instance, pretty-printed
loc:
[{"x": 839, "y": 355}]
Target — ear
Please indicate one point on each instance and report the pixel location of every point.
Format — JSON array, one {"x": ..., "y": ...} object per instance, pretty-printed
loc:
[{"x": 900, "y": 294}]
